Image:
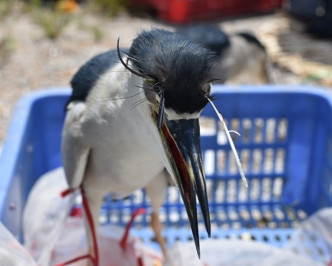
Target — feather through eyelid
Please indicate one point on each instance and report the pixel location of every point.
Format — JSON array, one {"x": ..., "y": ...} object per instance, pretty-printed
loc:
[{"x": 125, "y": 65}]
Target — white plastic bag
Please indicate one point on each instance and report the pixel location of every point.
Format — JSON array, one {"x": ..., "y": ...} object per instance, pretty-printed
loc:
[
  {"x": 314, "y": 237},
  {"x": 11, "y": 251},
  {"x": 44, "y": 215},
  {"x": 234, "y": 253},
  {"x": 52, "y": 236}
]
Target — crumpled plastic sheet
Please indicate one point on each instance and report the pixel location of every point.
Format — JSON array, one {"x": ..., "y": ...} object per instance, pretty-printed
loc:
[
  {"x": 235, "y": 253},
  {"x": 12, "y": 253},
  {"x": 53, "y": 237},
  {"x": 314, "y": 237},
  {"x": 45, "y": 214},
  {"x": 310, "y": 244}
]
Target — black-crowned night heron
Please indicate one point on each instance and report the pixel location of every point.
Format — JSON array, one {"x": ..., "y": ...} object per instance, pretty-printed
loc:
[
  {"x": 134, "y": 113},
  {"x": 237, "y": 53}
]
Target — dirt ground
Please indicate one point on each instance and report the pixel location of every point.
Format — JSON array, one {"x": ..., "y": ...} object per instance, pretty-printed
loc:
[{"x": 34, "y": 62}]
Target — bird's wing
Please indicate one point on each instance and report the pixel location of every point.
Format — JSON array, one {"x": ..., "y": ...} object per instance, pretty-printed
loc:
[{"x": 75, "y": 151}]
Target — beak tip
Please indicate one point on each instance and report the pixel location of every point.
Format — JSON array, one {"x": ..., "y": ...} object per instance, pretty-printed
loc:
[{"x": 198, "y": 250}]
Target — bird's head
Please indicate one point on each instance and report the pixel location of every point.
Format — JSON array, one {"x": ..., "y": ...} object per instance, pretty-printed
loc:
[{"x": 177, "y": 76}]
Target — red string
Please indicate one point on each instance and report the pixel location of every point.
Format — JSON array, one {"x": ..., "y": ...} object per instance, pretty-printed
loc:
[
  {"x": 122, "y": 243},
  {"x": 330, "y": 263},
  {"x": 124, "y": 239},
  {"x": 88, "y": 256},
  {"x": 94, "y": 260},
  {"x": 140, "y": 261},
  {"x": 66, "y": 192},
  {"x": 91, "y": 225}
]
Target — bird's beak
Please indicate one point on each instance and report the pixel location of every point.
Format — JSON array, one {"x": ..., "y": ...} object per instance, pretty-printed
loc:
[{"x": 181, "y": 142}]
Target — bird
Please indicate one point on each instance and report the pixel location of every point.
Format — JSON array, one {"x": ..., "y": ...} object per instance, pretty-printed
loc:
[
  {"x": 132, "y": 121},
  {"x": 237, "y": 53}
]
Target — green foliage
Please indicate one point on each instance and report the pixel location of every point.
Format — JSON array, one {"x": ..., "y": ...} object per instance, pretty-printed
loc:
[
  {"x": 7, "y": 47},
  {"x": 51, "y": 19},
  {"x": 319, "y": 75},
  {"x": 97, "y": 32},
  {"x": 6, "y": 7},
  {"x": 109, "y": 7}
]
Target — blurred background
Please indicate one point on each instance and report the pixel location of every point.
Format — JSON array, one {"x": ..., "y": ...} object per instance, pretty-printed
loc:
[{"x": 44, "y": 42}]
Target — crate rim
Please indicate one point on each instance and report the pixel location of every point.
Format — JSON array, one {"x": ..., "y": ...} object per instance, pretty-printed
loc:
[{"x": 13, "y": 139}]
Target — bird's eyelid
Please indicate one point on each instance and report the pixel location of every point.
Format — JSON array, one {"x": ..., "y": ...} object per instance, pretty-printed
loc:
[
  {"x": 125, "y": 65},
  {"x": 157, "y": 88},
  {"x": 150, "y": 82}
]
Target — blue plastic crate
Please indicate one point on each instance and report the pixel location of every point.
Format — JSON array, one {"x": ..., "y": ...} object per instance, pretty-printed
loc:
[{"x": 285, "y": 148}]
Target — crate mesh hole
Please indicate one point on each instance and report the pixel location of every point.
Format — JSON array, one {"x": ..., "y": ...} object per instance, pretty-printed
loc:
[
  {"x": 257, "y": 160},
  {"x": 279, "y": 214},
  {"x": 225, "y": 226},
  {"x": 277, "y": 238},
  {"x": 173, "y": 195},
  {"x": 277, "y": 187},
  {"x": 214, "y": 226},
  {"x": 242, "y": 193},
  {"x": 268, "y": 160},
  {"x": 254, "y": 189},
  {"x": 232, "y": 167},
  {"x": 235, "y": 125},
  {"x": 221, "y": 215},
  {"x": 114, "y": 218},
  {"x": 209, "y": 162},
  {"x": 174, "y": 216},
  {"x": 236, "y": 225},
  {"x": 320, "y": 251},
  {"x": 280, "y": 160},
  {"x": 232, "y": 214},
  {"x": 221, "y": 161},
  {"x": 220, "y": 192},
  {"x": 282, "y": 129},
  {"x": 258, "y": 133},
  {"x": 246, "y": 125},
  {"x": 245, "y": 215},
  {"x": 272, "y": 225},
  {"x": 245, "y": 159},
  {"x": 256, "y": 214},
  {"x": 231, "y": 190},
  {"x": 302, "y": 214},
  {"x": 270, "y": 130},
  {"x": 207, "y": 126}
]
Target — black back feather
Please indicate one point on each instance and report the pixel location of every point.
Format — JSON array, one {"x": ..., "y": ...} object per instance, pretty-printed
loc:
[
  {"x": 251, "y": 39},
  {"x": 177, "y": 66},
  {"x": 209, "y": 36},
  {"x": 86, "y": 77}
]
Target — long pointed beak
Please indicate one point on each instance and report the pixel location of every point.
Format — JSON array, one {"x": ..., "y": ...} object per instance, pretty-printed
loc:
[{"x": 181, "y": 141}]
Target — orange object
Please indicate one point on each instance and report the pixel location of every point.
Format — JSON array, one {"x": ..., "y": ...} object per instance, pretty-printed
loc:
[{"x": 69, "y": 6}]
